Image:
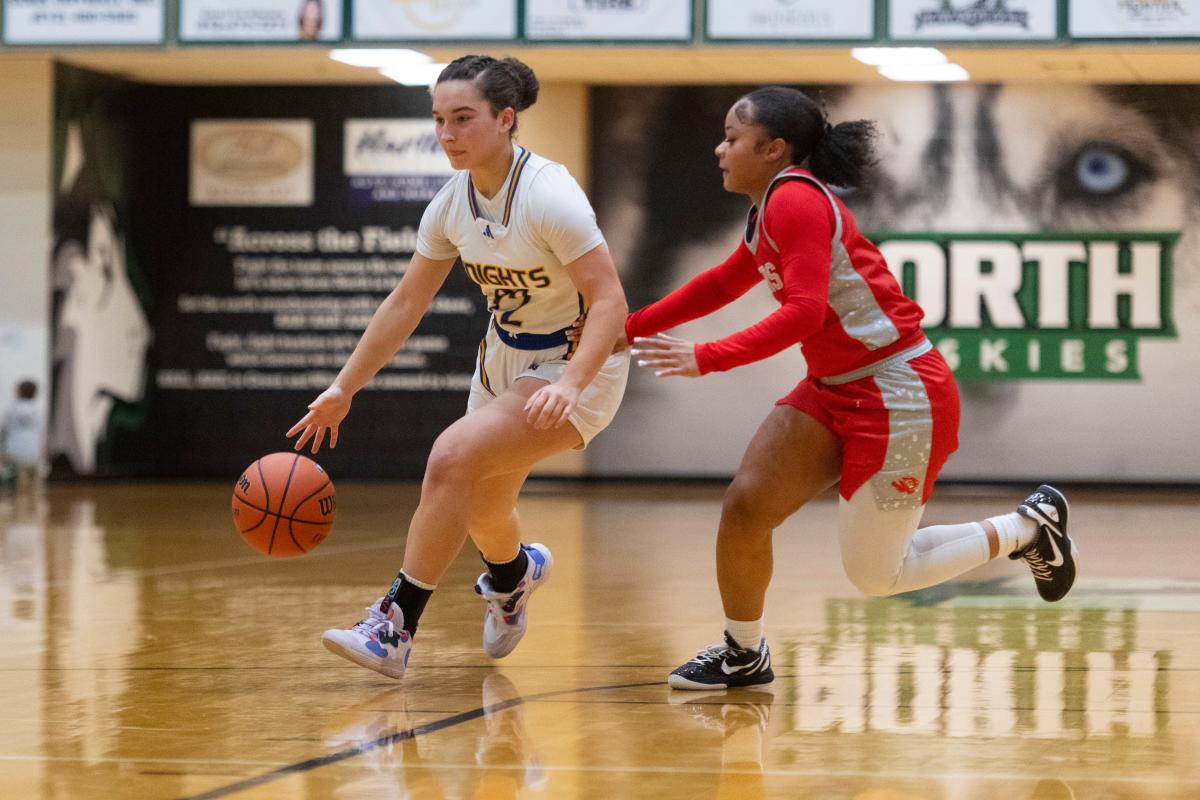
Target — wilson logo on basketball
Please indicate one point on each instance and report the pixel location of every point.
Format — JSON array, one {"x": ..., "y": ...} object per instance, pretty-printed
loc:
[
  {"x": 906, "y": 485},
  {"x": 327, "y": 505}
]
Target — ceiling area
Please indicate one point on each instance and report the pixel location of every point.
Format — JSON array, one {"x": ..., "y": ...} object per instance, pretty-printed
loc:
[{"x": 645, "y": 65}]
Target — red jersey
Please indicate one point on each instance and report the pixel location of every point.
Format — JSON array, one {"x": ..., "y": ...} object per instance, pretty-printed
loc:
[{"x": 838, "y": 299}]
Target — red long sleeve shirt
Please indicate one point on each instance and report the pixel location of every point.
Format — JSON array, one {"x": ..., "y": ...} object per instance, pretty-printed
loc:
[{"x": 838, "y": 299}]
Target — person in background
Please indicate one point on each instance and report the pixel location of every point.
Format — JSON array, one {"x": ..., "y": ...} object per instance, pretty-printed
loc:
[{"x": 22, "y": 437}]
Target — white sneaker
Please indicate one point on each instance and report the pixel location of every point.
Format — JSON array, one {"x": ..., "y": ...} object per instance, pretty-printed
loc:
[
  {"x": 378, "y": 642},
  {"x": 505, "y": 620}
]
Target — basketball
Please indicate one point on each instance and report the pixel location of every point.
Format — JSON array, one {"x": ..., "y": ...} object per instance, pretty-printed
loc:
[{"x": 284, "y": 505}]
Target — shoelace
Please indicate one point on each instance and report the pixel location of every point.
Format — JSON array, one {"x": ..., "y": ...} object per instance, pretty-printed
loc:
[
  {"x": 714, "y": 652},
  {"x": 1041, "y": 570},
  {"x": 376, "y": 624}
]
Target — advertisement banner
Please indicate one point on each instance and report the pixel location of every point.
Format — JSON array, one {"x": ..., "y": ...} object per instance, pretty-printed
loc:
[
  {"x": 260, "y": 20},
  {"x": 83, "y": 21},
  {"x": 790, "y": 19},
  {"x": 604, "y": 19},
  {"x": 434, "y": 19},
  {"x": 393, "y": 160},
  {"x": 252, "y": 162},
  {"x": 1056, "y": 268},
  {"x": 982, "y": 20},
  {"x": 1129, "y": 19}
]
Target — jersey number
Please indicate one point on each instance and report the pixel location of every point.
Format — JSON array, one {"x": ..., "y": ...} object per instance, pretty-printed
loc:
[
  {"x": 507, "y": 302},
  {"x": 771, "y": 276}
]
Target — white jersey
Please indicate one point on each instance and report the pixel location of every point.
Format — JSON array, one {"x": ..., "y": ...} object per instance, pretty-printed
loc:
[
  {"x": 22, "y": 431},
  {"x": 514, "y": 246}
]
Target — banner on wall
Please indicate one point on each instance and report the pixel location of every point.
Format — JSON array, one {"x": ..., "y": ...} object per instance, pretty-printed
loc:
[
  {"x": 434, "y": 19},
  {"x": 790, "y": 19},
  {"x": 100, "y": 326},
  {"x": 393, "y": 161},
  {"x": 1120, "y": 19},
  {"x": 252, "y": 162},
  {"x": 602, "y": 19},
  {"x": 83, "y": 21},
  {"x": 983, "y": 20},
  {"x": 1057, "y": 269},
  {"x": 260, "y": 20},
  {"x": 1038, "y": 306}
]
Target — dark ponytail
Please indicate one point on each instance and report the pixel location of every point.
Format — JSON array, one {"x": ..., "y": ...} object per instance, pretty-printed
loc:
[
  {"x": 504, "y": 83},
  {"x": 841, "y": 154}
]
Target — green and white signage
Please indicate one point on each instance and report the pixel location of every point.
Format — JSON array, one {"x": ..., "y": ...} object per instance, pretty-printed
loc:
[{"x": 1038, "y": 305}]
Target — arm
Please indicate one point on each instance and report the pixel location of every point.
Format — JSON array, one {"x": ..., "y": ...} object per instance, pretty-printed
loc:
[
  {"x": 390, "y": 326},
  {"x": 699, "y": 297},
  {"x": 595, "y": 276},
  {"x": 801, "y": 222}
]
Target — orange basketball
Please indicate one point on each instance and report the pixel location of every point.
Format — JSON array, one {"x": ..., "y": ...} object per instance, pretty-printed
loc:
[{"x": 284, "y": 504}]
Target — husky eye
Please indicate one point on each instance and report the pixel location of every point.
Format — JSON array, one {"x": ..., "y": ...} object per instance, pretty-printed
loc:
[{"x": 1100, "y": 171}]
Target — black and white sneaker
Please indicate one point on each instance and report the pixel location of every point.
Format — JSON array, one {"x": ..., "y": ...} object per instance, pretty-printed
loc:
[
  {"x": 724, "y": 666},
  {"x": 1051, "y": 555}
]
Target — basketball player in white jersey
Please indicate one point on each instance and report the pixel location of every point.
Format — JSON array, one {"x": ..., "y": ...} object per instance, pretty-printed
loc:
[{"x": 527, "y": 236}]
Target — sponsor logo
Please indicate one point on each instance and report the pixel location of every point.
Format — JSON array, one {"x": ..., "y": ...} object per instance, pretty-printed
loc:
[
  {"x": 906, "y": 485},
  {"x": 250, "y": 154},
  {"x": 972, "y": 15},
  {"x": 585, "y": 6},
  {"x": 1152, "y": 10},
  {"x": 393, "y": 160},
  {"x": 328, "y": 505},
  {"x": 437, "y": 15},
  {"x": 1018, "y": 307}
]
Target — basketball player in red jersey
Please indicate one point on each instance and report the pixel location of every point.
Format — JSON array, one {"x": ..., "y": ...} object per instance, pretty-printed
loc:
[{"x": 878, "y": 409}]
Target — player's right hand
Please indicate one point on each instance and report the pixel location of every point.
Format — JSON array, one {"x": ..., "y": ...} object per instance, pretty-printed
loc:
[{"x": 324, "y": 413}]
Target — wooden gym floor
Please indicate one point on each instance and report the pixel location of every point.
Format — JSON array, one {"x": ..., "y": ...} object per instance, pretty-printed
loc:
[{"x": 146, "y": 652}]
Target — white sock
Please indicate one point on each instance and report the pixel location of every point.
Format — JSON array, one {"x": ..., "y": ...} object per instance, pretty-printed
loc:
[
  {"x": 748, "y": 635},
  {"x": 1015, "y": 531},
  {"x": 429, "y": 587}
]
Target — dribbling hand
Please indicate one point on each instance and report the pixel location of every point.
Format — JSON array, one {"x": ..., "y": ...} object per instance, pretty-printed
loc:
[
  {"x": 324, "y": 413},
  {"x": 666, "y": 355}
]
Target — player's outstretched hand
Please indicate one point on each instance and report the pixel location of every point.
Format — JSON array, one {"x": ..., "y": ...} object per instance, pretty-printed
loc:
[
  {"x": 324, "y": 413},
  {"x": 551, "y": 405},
  {"x": 666, "y": 355}
]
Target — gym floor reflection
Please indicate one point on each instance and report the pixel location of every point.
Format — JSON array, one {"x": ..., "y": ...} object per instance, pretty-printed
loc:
[{"x": 147, "y": 652}]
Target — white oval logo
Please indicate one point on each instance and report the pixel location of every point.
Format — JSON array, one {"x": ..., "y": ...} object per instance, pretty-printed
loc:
[{"x": 250, "y": 154}]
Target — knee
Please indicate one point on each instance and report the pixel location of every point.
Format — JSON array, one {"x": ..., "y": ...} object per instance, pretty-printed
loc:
[
  {"x": 449, "y": 465},
  {"x": 751, "y": 506},
  {"x": 870, "y": 579}
]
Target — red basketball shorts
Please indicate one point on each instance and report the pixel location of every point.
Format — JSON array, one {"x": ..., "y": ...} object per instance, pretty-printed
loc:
[{"x": 897, "y": 426}]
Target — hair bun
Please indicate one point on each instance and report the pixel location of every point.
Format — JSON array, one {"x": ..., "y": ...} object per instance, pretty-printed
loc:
[{"x": 526, "y": 82}]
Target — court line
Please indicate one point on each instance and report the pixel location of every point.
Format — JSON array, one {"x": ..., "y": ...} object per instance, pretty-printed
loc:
[{"x": 399, "y": 736}]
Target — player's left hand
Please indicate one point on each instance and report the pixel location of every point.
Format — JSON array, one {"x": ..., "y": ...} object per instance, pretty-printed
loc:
[
  {"x": 551, "y": 405},
  {"x": 666, "y": 355}
]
